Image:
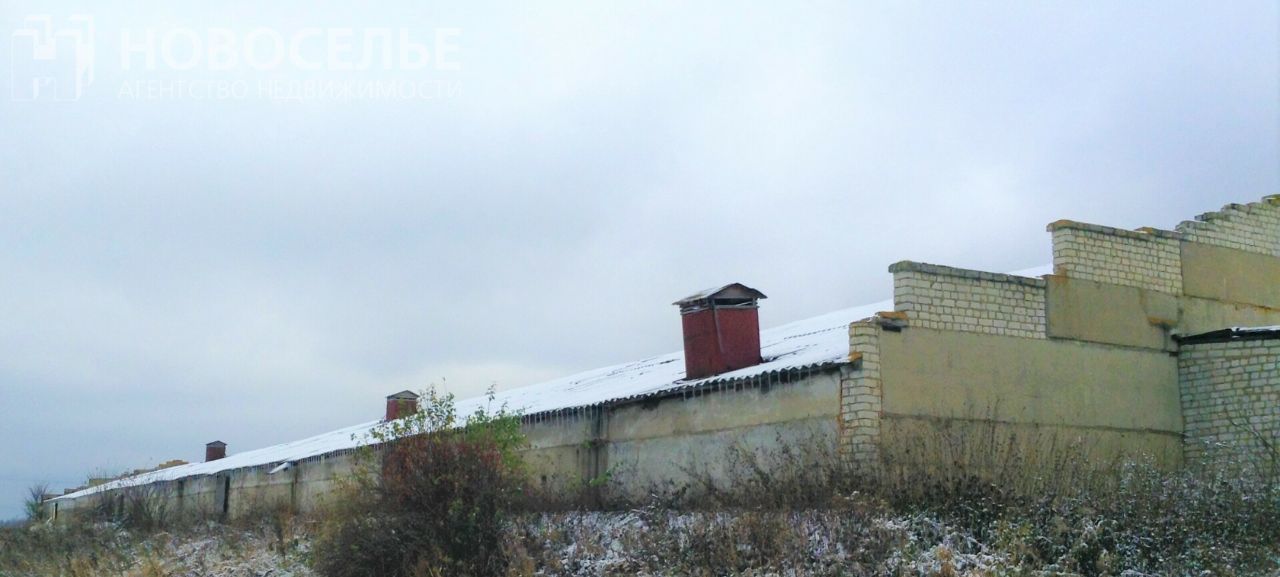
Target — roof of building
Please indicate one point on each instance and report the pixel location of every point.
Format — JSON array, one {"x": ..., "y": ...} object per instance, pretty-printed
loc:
[
  {"x": 735, "y": 289},
  {"x": 814, "y": 342},
  {"x": 1231, "y": 334}
]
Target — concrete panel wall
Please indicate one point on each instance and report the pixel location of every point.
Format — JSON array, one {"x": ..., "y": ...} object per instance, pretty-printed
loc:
[
  {"x": 1127, "y": 396},
  {"x": 1017, "y": 449},
  {"x": 259, "y": 490},
  {"x": 1106, "y": 313},
  {"x": 167, "y": 493},
  {"x": 1118, "y": 286},
  {"x": 1126, "y": 316},
  {"x": 563, "y": 452},
  {"x": 646, "y": 466},
  {"x": 1203, "y": 315},
  {"x": 814, "y": 396},
  {"x": 639, "y": 446},
  {"x": 199, "y": 496},
  {"x": 1230, "y": 275},
  {"x": 317, "y": 479},
  {"x": 666, "y": 442}
]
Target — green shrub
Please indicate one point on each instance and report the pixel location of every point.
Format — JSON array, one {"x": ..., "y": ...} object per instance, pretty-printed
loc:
[{"x": 438, "y": 503}]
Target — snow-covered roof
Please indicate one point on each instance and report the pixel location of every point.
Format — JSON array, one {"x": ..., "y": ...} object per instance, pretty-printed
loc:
[
  {"x": 1253, "y": 330},
  {"x": 1232, "y": 334},
  {"x": 739, "y": 288},
  {"x": 813, "y": 342}
]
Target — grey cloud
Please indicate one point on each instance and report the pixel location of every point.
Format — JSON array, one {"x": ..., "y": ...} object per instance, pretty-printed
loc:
[{"x": 179, "y": 271}]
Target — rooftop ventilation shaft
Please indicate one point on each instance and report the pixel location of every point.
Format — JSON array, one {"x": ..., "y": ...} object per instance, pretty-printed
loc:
[
  {"x": 214, "y": 451},
  {"x": 401, "y": 404},
  {"x": 721, "y": 330}
]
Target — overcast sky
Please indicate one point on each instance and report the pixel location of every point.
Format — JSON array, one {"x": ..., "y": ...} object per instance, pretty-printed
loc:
[{"x": 175, "y": 269}]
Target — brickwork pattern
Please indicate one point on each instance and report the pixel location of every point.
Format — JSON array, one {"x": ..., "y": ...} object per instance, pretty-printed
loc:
[
  {"x": 1148, "y": 259},
  {"x": 1253, "y": 227},
  {"x": 946, "y": 298},
  {"x": 860, "y": 399},
  {"x": 1230, "y": 399}
]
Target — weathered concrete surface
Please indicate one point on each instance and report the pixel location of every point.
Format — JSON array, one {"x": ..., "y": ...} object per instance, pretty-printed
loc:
[
  {"x": 673, "y": 417},
  {"x": 1225, "y": 288},
  {"x": 561, "y": 454},
  {"x": 303, "y": 486},
  {"x": 1122, "y": 400},
  {"x": 719, "y": 457},
  {"x": 678, "y": 439},
  {"x": 1200, "y": 315},
  {"x": 638, "y": 446},
  {"x": 1094, "y": 311},
  {"x": 1132, "y": 317},
  {"x": 1230, "y": 275},
  {"x": 1018, "y": 451}
]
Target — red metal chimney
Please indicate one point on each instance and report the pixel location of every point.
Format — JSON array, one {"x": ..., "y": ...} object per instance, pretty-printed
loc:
[
  {"x": 721, "y": 330},
  {"x": 401, "y": 404},
  {"x": 214, "y": 451}
]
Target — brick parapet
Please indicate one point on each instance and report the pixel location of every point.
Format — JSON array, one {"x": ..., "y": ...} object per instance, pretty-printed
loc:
[
  {"x": 1146, "y": 258},
  {"x": 1144, "y": 233},
  {"x": 1252, "y": 227},
  {"x": 947, "y": 298},
  {"x": 942, "y": 270}
]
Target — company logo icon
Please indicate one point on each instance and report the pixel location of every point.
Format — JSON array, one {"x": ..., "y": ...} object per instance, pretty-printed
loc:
[{"x": 48, "y": 62}]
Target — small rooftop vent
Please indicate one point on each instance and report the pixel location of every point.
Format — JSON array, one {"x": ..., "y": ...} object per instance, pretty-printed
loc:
[
  {"x": 214, "y": 451},
  {"x": 721, "y": 330},
  {"x": 401, "y": 404}
]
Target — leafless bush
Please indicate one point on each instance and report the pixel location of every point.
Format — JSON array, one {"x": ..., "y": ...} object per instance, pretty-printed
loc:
[{"x": 33, "y": 504}]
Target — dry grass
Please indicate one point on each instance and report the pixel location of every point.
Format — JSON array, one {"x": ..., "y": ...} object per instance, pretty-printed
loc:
[
  {"x": 793, "y": 510},
  {"x": 109, "y": 549},
  {"x": 990, "y": 500}
]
